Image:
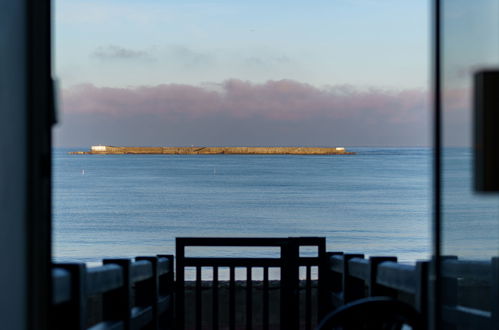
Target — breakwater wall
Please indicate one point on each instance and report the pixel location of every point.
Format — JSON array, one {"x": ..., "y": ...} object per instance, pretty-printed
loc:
[{"x": 110, "y": 150}]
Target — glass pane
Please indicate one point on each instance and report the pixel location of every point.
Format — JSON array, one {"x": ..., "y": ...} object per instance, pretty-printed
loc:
[
  {"x": 470, "y": 43},
  {"x": 470, "y": 226}
]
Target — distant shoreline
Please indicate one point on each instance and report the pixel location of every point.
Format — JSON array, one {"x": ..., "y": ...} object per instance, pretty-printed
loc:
[{"x": 111, "y": 150}]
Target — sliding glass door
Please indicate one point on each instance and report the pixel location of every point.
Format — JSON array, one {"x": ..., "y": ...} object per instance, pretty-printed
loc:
[{"x": 469, "y": 218}]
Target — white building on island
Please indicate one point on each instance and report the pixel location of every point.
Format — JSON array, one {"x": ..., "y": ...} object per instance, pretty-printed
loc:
[{"x": 98, "y": 148}]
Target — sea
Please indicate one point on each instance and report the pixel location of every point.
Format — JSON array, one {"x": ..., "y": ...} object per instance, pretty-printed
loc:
[{"x": 376, "y": 202}]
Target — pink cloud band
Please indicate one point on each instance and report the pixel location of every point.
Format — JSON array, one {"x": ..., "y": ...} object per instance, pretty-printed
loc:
[{"x": 285, "y": 100}]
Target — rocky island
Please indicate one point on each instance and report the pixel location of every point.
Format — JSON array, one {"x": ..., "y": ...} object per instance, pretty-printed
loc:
[{"x": 110, "y": 150}]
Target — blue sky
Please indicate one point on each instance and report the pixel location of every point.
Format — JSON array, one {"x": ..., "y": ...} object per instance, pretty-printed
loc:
[
  {"x": 361, "y": 42},
  {"x": 266, "y": 64}
]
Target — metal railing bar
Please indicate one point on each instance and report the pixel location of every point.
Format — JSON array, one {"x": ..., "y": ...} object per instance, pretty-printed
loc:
[
  {"x": 308, "y": 261},
  {"x": 249, "y": 298},
  {"x": 308, "y": 299},
  {"x": 310, "y": 240},
  {"x": 61, "y": 290},
  {"x": 179, "y": 285},
  {"x": 199, "y": 297},
  {"x": 230, "y": 241},
  {"x": 103, "y": 279},
  {"x": 215, "y": 298},
  {"x": 232, "y": 299},
  {"x": 232, "y": 262},
  {"x": 265, "y": 296}
]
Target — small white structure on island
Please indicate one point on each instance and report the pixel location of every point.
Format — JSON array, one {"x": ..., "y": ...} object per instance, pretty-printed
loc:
[
  {"x": 98, "y": 148},
  {"x": 340, "y": 149}
]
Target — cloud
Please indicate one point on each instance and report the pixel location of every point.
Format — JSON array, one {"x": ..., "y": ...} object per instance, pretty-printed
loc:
[
  {"x": 280, "y": 99},
  {"x": 266, "y": 62},
  {"x": 187, "y": 56},
  {"x": 275, "y": 112},
  {"x": 113, "y": 52}
]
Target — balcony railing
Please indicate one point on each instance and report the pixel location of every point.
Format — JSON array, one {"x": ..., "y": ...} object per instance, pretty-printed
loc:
[
  {"x": 139, "y": 294},
  {"x": 120, "y": 294},
  {"x": 292, "y": 310}
]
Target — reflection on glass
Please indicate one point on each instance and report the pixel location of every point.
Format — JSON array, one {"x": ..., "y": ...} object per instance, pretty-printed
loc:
[
  {"x": 470, "y": 226},
  {"x": 470, "y": 43}
]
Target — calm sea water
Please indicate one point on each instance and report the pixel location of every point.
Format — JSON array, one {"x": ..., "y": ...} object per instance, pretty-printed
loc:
[{"x": 376, "y": 202}]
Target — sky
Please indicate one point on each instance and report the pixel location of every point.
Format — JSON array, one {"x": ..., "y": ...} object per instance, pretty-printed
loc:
[{"x": 274, "y": 72}]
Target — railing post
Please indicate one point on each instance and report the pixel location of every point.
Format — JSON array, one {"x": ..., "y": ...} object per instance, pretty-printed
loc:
[
  {"x": 323, "y": 306},
  {"x": 421, "y": 298},
  {"x": 334, "y": 280},
  {"x": 495, "y": 290},
  {"x": 72, "y": 314},
  {"x": 374, "y": 289},
  {"x": 290, "y": 316},
  {"x": 179, "y": 287},
  {"x": 249, "y": 298},
  {"x": 353, "y": 288},
  {"x": 232, "y": 297},
  {"x": 146, "y": 292},
  {"x": 449, "y": 292},
  {"x": 166, "y": 289},
  {"x": 198, "y": 297},
  {"x": 215, "y": 301},
  {"x": 117, "y": 304}
]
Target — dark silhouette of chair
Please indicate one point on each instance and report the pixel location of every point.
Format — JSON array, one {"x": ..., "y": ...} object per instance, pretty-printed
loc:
[{"x": 372, "y": 313}]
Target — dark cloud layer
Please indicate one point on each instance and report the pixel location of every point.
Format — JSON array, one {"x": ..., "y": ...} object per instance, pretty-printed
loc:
[
  {"x": 113, "y": 52},
  {"x": 237, "y": 112}
]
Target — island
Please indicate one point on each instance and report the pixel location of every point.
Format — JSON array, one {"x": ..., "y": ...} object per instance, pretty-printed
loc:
[{"x": 111, "y": 150}]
